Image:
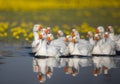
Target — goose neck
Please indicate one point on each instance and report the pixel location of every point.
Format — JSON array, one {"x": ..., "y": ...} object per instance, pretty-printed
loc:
[{"x": 36, "y": 36}]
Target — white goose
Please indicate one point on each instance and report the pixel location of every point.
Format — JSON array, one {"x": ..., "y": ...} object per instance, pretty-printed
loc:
[
  {"x": 97, "y": 65},
  {"x": 72, "y": 66},
  {"x": 78, "y": 48},
  {"x": 100, "y": 30},
  {"x": 98, "y": 44},
  {"x": 75, "y": 68},
  {"x": 115, "y": 38},
  {"x": 68, "y": 66},
  {"x": 112, "y": 35},
  {"x": 84, "y": 62},
  {"x": 90, "y": 37},
  {"x": 109, "y": 44},
  {"x": 42, "y": 63},
  {"x": 60, "y": 42},
  {"x": 102, "y": 62},
  {"x": 83, "y": 41},
  {"x": 46, "y": 50},
  {"x": 43, "y": 30},
  {"x": 51, "y": 63},
  {"x": 76, "y": 33},
  {"x": 35, "y": 65},
  {"x": 35, "y": 42},
  {"x": 103, "y": 45},
  {"x": 107, "y": 63},
  {"x": 68, "y": 39}
]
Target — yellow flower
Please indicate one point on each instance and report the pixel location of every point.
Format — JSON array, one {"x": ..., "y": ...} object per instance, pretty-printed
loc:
[
  {"x": 30, "y": 35},
  {"x": 14, "y": 34},
  {"x": 2, "y": 29},
  {"x": 25, "y": 34},
  {"x": 17, "y": 37},
  {"x": 1, "y": 35},
  {"x": 5, "y": 34},
  {"x": 27, "y": 39},
  {"x": 55, "y": 29}
]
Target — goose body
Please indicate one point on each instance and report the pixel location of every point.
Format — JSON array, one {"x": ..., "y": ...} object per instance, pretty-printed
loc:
[
  {"x": 113, "y": 37},
  {"x": 79, "y": 48},
  {"x": 42, "y": 63},
  {"x": 47, "y": 50},
  {"x": 60, "y": 43},
  {"x": 36, "y": 40}
]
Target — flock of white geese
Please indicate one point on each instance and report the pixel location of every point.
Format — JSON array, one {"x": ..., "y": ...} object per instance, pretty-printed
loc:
[{"x": 101, "y": 42}]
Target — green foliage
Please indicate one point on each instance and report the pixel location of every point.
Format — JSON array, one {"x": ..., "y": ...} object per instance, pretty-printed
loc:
[
  {"x": 29, "y": 5},
  {"x": 17, "y": 17}
]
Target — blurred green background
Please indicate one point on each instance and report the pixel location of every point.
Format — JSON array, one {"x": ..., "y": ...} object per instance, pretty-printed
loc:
[{"x": 17, "y": 17}]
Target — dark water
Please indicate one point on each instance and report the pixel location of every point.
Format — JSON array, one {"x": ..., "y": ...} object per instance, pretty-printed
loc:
[{"x": 17, "y": 66}]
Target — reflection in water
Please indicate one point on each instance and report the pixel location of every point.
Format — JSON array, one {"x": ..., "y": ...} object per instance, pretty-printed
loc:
[
  {"x": 44, "y": 67},
  {"x": 102, "y": 64},
  {"x": 73, "y": 65}
]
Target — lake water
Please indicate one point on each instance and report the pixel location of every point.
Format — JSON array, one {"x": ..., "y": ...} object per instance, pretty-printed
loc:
[{"x": 17, "y": 66}]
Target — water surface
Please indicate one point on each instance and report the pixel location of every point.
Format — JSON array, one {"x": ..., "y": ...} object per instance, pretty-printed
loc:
[{"x": 17, "y": 66}]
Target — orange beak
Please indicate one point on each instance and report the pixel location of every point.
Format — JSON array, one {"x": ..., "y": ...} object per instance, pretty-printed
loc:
[
  {"x": 88, "y": 35},
  {"x": 46, "y": 31},
  {"x": 106, "y": 35},
  {"x": 72, "y": 34},
  {"x": 108, "y": 29},
  {"x": 66, "y": 70},
  {"x": 40, "y": 36},
  {"x": 67, "y": 39},
  {"x": 73, "y": 72},
  {"x": 95, "y": 38},
  {"x": 40, "y": 77},
  {"x": 48, "y": 38},
  {"x": 73, "y": 40},
  {"x": 98, "y": 70},
  {"x": 95, "y": 72},
  {"x": 105, "y": 70},
  {"x": 39, "y": 28},
  {"x": 58, "y": 34},
  {"x": 97, "y": 31}
]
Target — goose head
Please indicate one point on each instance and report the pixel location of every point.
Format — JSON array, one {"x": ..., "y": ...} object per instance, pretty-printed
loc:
[
  {"x": 37, "y": 27},
  {"x": 41, "y": 78},
  {"x": 95, "y": 72},
  {"x": 110, "y": 29},
  {"x": 42, "y": 35},
  {"x": 74, "y": 33},
  {"x": 106, "y": 35},
  {"x": 48, "y": 72},
  {"x": 73, "y": 30},
  {"x": 74, "y": 39},
  {"x": 105, "y": 70},
  {"x": 74, "y": 72},
  {"x": 48, "y": 30},
  {"x": 60, "y": 33},
  {"x": 89, "y": 34},
  {"x": 67, "y": 69},
  {"x": 68, "y": 38},
  {"x": 100, "y": 29},
  {"x": 44, "y": 30},
  {"x": 96, "y": 37},
  {"x": 50, "y": 37}
]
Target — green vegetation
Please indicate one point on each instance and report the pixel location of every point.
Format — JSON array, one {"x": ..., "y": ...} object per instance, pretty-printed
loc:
[
  {"x": 56, "y": 4},
  {"x": 17, "y": 17}
]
